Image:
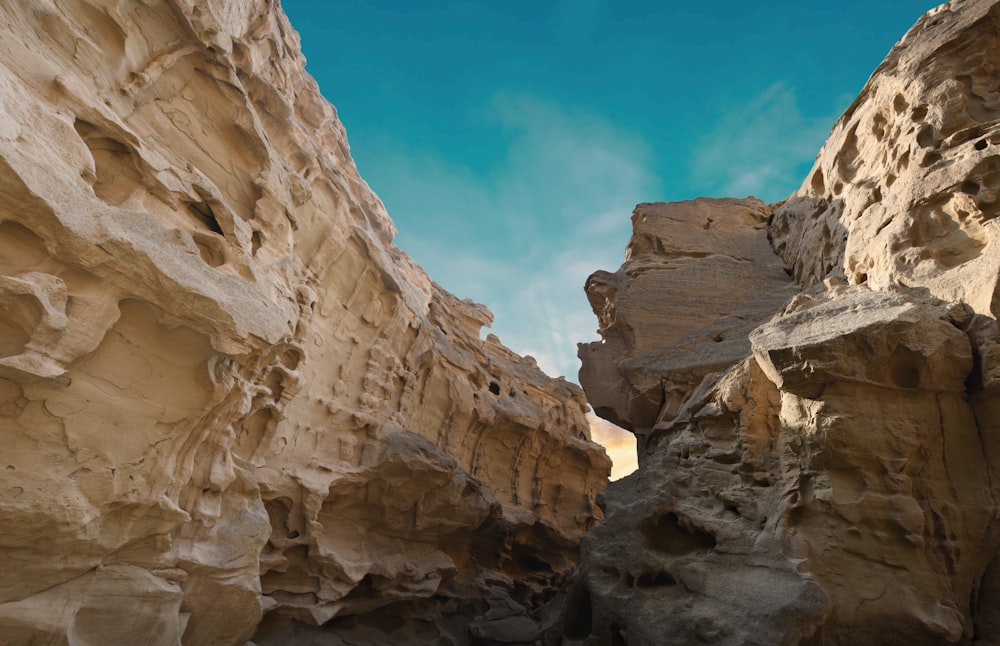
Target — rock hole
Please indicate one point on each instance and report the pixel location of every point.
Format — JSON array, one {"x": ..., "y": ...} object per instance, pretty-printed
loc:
[
  {"x": 731, "y": 508},
  {"x": 927, "y": 137},
  {"x": 899, "y": 104},
  {"x": 580, "y": 616},
  {"x": 650, "y": 581},
  {"x": 293, "y": 534},
  {"x": 255, "y": 243},
  {"x": 919, "y": 113},
  {"x": 204, "y": 214},
  {"x": 718, "y": 338},
  {"x": 981, "y": 144},
  {"x": 818, "y": 184},
  {"x": 211, "y": 248},
  {"x": 878, "y": 126},
  {"x": 860, "y": 279},
  {"x": 667, "y": 534},
  {"x": 291, "y": 357},
  {"x": 116, "y": 169},
  {"x": 971, "y": 187},
  {"x": 494, "y": 388}
]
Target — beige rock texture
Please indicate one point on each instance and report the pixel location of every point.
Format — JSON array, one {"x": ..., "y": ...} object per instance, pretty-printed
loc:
[
  {"x": 230, "y": 408},
  {"x": 817, "y": 424},
  {"x": 710, "y": 263},
  {"x": 905, "y": 190}
]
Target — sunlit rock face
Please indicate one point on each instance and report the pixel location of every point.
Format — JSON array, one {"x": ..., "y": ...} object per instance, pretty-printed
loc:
[
  {"x": 817, "y": 425},
  {"x": 904, "y": 192},
  {"x": 230, "y": 407}
]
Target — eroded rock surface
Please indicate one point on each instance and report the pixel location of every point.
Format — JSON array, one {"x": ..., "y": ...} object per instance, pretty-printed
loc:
[
  {"x": 226, "y": 399},
  {"x": 823, "y": 470},
  {"x": 710, "y": 263},
  {"x": 904, "y": 192}
]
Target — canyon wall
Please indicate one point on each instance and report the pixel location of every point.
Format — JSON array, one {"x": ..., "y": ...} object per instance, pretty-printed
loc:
[
  {"x": 814, "y": 385},
  {"x": 230, "y": 407}
]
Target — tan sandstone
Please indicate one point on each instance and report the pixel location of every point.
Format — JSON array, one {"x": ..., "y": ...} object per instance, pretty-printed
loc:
[
  {"x": 826, "y": 473},
  {"x": 226, "y": 399}
]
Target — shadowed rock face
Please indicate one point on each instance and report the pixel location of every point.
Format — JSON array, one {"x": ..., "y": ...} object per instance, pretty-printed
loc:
[
  {"x": 226, "y": 399},
  {"x": 818, "y": 460}
]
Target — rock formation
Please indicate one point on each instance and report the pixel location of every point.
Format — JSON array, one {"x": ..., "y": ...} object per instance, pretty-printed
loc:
[
  {"x": 226, "y": 399},
  {"x": 818, "y": 424}
]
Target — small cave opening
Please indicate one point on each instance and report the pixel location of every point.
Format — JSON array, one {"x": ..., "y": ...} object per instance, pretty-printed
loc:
[
  {"x": 204, "y": 214},
  {"x": 580, "y": 616},
  {"x": 970, "y": 187},
  {"x": 927, "y": 137},
  {"x": 981, "y": 144},
  {"x": 666, "y": 533},
  {"x": 531, "y": 562},
  {"x": 494, "y": 388},
  {"x": 117, "y": 171}
]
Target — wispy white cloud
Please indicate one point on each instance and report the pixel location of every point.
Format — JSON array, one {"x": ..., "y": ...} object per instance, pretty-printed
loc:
[
  {"x": 555, "y": 208},
  {"x": 762, "y": 148}
]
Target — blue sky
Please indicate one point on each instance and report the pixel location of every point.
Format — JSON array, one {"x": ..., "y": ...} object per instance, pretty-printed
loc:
[{"x": 511, "y": 140}]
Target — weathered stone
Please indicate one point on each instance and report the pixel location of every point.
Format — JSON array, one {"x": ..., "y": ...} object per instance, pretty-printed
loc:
[
  {"x": 711, "y": 261},
  {"x": 905, "y": 189},
  {"x": 835, "y": 465},
  {"x": 833, "y": 479},
  {"x": 226, "y": 395}
]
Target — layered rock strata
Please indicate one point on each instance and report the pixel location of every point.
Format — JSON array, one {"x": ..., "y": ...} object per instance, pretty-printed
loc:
[
  {"x": 227, "y": 400},
  {"x": 819, "y": 451}
]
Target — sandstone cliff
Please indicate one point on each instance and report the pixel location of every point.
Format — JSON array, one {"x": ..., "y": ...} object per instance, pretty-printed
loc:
[
  {"x": 226, "y": 399},
  {"x": 817, "y": 417}
]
